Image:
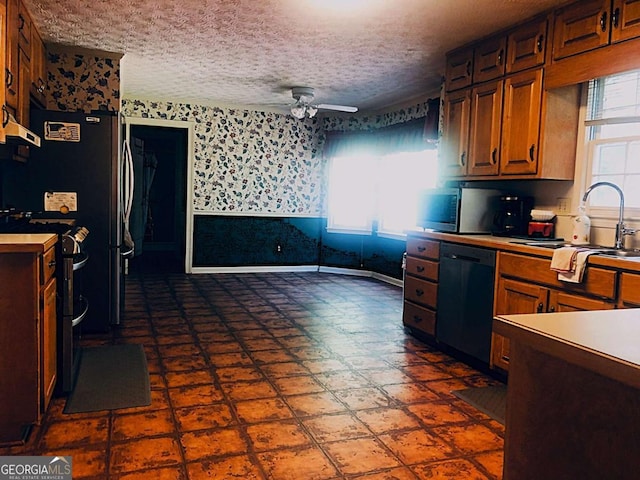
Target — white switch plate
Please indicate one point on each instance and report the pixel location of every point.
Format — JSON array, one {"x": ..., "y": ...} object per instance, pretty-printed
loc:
[{"x": 563, "y": 205}]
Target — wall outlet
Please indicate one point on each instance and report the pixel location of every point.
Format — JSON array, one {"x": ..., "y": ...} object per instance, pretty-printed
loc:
[{"x": 563, "y": 205}]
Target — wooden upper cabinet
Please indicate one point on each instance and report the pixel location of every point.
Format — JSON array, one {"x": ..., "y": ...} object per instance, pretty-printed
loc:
[
  {"x": 527, "y": 46},
  {"x": 453, "y": 154},
  {"x": 625, "y": 19},
  {"x": 587, "y": 25},
  {"x": 489, "y": 59},
  {"x": 11, "y": 56},
  {"x": 459, "y": 69},
  {"x": 580, "y": 27},
  {"x": 485, "y": 128},
  {"x": 521, "y": 123},
  {"x": 38, "y": 68},
  {"x": 3, "y": 48},
  {"x": 24, "y": 29}
]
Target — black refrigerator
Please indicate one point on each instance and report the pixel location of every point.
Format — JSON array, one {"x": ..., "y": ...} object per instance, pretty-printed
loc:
[{"x": 79, "y": 162}]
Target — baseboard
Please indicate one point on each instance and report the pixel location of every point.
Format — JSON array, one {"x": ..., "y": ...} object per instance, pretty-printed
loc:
[{"x": 299, "y": 268}]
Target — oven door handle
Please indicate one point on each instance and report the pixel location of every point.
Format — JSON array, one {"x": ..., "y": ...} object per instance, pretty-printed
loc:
[
  {"x": 80, "y": 260},
  {"x": 85, "y": 309}
]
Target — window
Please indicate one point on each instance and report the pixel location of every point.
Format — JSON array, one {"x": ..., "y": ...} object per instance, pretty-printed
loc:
[
  {"x": 613, "y": 135},
  {"x": 365, "y": 189}
]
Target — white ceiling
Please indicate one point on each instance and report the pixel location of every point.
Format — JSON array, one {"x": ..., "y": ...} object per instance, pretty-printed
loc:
[{"x": 373, "y": 54}]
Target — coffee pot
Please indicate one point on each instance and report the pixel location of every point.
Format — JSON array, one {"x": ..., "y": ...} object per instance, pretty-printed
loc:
[{"x": 513, "y": 215}]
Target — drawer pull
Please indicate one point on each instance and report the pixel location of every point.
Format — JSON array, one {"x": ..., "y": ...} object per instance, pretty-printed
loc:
[
  {"x": 421, "y": 248},
  {"x": 52, "y": 263},
  {"x": 417, "y": 319},
  {"x": 504, "y": 358},
  {"x": 540, "y": 307},
  {"x": 419, "y": 292},
  {"x": 420, "y": 268}
]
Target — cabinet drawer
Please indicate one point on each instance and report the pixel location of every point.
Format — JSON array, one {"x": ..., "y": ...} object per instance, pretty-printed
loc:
[
  {"x": 418, "y": 267},
  {"x": 527, "y": 46},
  {"x": 421, "y": 318},
  {"x": 630, "y": 289},
  {"x": 421, "y": 291},
  {"x": 459, "y": 69},
  {"x": 420, "y": 247},
  {"x": 596, "y": 281},
  {"x": 489, "y": 59},
  {"x": 48, "y": 265}
]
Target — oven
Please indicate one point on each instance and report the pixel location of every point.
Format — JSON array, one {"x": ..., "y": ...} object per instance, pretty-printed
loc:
[{"x": 74, "y": 305}]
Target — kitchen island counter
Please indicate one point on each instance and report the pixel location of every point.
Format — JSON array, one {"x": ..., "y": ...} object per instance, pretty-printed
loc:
[{"x": 573, "y": 401}]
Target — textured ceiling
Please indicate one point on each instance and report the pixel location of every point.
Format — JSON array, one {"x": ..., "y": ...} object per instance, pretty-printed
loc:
[{"x": 373, "y": 54}]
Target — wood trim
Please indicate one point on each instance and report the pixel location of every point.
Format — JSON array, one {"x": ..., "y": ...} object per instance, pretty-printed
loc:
[{"x": 609, "y": 60}]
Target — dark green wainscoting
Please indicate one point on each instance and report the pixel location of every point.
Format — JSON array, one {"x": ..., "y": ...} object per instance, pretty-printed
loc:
[{"x": 245, "y": 241}]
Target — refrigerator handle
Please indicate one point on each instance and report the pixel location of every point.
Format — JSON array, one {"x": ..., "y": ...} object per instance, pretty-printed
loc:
[{"x": 128, "y": 185}]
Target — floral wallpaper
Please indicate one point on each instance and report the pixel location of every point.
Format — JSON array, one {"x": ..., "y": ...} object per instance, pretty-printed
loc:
[
  {"x": 80, "y": 81},
  {"x": 259, "y": 162}
]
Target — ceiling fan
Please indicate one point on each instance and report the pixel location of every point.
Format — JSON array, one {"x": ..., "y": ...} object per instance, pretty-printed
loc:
[{"x": 303, "y": 106}]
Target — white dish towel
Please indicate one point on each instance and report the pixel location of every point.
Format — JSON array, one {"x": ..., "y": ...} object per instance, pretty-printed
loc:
[{"x": 570, "y": 263}]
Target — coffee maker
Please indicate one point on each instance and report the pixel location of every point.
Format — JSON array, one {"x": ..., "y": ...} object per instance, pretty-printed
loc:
[{"x": 512, "y": 216}]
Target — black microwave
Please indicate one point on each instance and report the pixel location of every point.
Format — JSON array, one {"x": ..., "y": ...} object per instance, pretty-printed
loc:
[{"x": 458, "y": 210}]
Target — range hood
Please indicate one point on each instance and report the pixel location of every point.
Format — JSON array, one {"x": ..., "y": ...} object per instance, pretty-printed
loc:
[{"x": 16, "y": 134}]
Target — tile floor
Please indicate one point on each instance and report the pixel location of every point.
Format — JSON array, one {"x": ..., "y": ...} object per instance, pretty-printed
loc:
[{"x": 281, "y": 376}]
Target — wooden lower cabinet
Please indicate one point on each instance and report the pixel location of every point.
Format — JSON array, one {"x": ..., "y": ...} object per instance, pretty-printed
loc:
[
  {"x": 421, "y": 285},
  {"x": 28, "y": 324},
  {"x": 520, "y": 291},
  {"x": 629, "y": 290}
]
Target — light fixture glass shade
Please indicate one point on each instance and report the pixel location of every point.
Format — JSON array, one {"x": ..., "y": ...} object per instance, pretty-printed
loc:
[
  {"x": 311, "y": 111},
  {"x": 298, "y": 111}
]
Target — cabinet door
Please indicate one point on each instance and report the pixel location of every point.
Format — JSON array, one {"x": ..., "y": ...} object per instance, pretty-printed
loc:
[
  {"x": 3, "y": 47},
  {"x": 455, "y": 134},
  {"x": 566, "y": 302},
  {"x": 489, "y": 59},
  {"x": 629, "y": 290},
  {"x": 48, "y": 342},
  {"x": 459, "y": 69},
  {"x": 24, "y": 28},
  {"x": 486, "y": 119},
  {"x": 521, "y": 123},
  {"x": 38, "y": 68},
  {"x": 515, "y": 297},
  {"x": 11, "y": 57},
  {"x": 580, "y": 27},
  {"x": 527, "y": 46},
  {"x": 625, "y": 19}
]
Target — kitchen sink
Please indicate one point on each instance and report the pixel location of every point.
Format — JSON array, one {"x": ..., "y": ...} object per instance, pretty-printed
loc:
[
  {"x": 622, "y": 253},
  {"x": 608, "y": 251}
]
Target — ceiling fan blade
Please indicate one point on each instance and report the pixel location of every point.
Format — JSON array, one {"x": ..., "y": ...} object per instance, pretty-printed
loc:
[{"x": 339, "y": 108}]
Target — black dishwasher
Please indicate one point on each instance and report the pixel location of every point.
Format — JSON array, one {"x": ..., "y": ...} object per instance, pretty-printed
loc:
[{"x": 465, "y": 299}]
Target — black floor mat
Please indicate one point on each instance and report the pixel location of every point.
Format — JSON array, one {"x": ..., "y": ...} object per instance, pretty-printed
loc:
[
  {"x": 110, "y": 377},
  {"x": 491, "y": 400}
]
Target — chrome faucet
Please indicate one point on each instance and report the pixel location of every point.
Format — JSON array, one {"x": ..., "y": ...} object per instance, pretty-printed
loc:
[{"x": 621, "y": 230}]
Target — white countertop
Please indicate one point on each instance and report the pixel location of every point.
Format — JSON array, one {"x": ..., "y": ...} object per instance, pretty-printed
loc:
[{"x": 606, "y": 341}]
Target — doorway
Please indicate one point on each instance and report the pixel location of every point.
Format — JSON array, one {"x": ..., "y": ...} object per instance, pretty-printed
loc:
[{"x": 158, "y": 219}]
